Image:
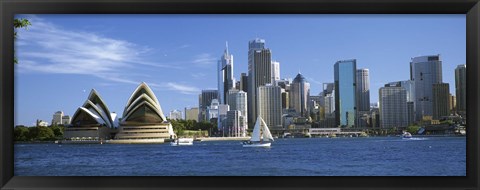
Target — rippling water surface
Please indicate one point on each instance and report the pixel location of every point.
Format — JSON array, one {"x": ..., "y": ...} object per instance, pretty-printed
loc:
[{"x": 373, "y": 156}]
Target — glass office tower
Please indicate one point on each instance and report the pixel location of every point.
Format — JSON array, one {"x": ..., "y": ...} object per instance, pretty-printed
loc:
[{"x": 345, "y": 81}]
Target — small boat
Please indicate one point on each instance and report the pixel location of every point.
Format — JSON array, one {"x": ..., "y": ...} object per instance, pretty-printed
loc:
[
  {"x": 406, "y": 135},
  {"x": 261, "y": 136},
  {"x": 182, "y": 142}
]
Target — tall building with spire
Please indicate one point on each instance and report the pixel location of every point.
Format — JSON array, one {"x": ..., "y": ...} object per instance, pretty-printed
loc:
[
  {"x": 259, "y": 74},
  {"x": 225, "y": 75}
]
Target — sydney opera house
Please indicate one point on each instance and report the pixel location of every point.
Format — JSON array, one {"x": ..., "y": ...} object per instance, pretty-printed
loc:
[{"x": 142, "y": 121}]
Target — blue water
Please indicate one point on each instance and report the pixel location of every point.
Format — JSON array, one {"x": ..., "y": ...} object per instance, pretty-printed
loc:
[{"x": 373, "y": 156}]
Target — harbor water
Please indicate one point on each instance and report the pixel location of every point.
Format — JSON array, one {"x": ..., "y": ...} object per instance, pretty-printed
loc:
[{"x": 371, "y": 156}]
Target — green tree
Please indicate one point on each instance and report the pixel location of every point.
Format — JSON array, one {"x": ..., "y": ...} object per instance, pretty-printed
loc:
[
  {"x": 20, "y": 133},
  {"x": 413, "y": 129},
  {"x": 57, "y": 131},
  {"x": 45, "y": 133},
  {"x": 19, "y": 23},
  {"x": 32, "y": 133}
]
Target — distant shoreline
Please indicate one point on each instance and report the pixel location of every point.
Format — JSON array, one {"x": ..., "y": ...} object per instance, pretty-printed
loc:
[{"x": 246, "y": 138}]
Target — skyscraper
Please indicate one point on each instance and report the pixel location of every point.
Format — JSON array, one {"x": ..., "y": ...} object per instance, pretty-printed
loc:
[
  {"x": 235, "y": 125},
  {"x": 440, "y": 101},
  {"x": 244, "y": 82},
  {"x": 329, "y": 98},
  {"x": 225, "y": 75},
  {"x": 269, "y": 106},
  {"x": 461, "y": 89},
  {"x": 409, "y": 86},
  {"x": 363, "y": 90},
  {"x": 362, "y": 98},
  {"x": 425, "y": 71},
  {"x": 275, "y": 71},
  {"x": 345, "y": 77},
  {"x": 393, "y": 106},
  {"x": 205, "y": 99},
  {"x": 299, "y": 93},
  {"x": 237, "y": 100},
  {"x": 259, "y": 74}
]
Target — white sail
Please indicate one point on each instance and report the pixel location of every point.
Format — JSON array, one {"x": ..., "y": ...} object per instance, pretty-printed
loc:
[
  {"x": 256, "y": 131},
  {"x": 266, "y": 132}
]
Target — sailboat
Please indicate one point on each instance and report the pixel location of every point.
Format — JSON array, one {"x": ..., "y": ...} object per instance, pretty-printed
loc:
[{"x": 261, "y": 136}]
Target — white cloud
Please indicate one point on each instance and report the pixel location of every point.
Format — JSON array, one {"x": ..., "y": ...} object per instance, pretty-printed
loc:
[
  {"x": 47, "y": 48},
  {"x": 204, "y": 60},
  {"x": 173, "y": 86}
]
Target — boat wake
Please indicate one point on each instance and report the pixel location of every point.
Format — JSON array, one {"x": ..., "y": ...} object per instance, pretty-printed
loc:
[{"x": 415, "y": 139}]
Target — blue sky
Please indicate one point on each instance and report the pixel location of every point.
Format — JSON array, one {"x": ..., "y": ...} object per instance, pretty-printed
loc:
[{"x": 62, "y": 57}]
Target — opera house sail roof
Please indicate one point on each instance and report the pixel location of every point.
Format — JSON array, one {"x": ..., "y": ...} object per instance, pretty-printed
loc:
[
  {"x": 143, "y": 117},
  {"x": 142, "y": 121},
  {"x": 143, "y": 107},
  {"x": 91, "y": 121},
  {"x": 94, "y": 111}
]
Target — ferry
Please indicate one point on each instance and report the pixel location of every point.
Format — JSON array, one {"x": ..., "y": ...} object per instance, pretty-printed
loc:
[{"x": 182, "y": 142}]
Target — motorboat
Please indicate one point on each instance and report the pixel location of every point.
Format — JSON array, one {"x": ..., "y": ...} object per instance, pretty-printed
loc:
[
  {"x": 261, "y": 136},
  {"x": 406, "y": 135}
]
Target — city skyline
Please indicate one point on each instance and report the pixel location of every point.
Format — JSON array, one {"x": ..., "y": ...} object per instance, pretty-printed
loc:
[{"x": 119, "y": 61}]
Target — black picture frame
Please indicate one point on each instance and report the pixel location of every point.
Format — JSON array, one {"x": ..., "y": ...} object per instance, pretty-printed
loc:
[{"x": 11, "y": 7}]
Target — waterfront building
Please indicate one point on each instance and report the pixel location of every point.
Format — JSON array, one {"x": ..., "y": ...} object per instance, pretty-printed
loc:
[
  {"x": 362, "y": 98},
  {"x": 57, "y": 118},
  {"x": 440, "y": 98},
  {"x": 212, "y": 110},
  {"x": 409, "y": 86},
  {"x": 237, "y": 100},
  {"x": 329, "y": 98},
  {"x": 244, "y": 82},
  {"x": 284, "y": 84},
  {"x": 410, "y": 113},
  {"x": 143, "y": 119},
  {"x": 375, "y": 117},
  {"x": 191, "y": 114},
  {"x": 425, "y": 71},
  {"x": 222, "y": 115},
  {"x": 393, "y": 106},
  {"x": 205, "y": 100},
  {"x": 175, "y": 114},
  {"x": 275, "y": 71},
  {"x": 345, "y": 92},
  {"x": 66, "y": 120},
  {"x": 314, "y": 106},
  {"x": 225, "y": 75},
  {"x": 299, "y": 93},
  {"x": 259, "y": 74},
  {"x": 92, "y": 121},
  {"x": 235, "y": 125},
  {"x": 461, "y": 89},
  {"x": 452, "y": 104},
  {"x": 269, "y": 106},
  {"x": 363, "y": 90}
]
